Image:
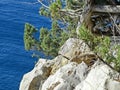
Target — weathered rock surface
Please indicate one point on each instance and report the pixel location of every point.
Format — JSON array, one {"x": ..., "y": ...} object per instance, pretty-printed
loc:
[
  {"x": 71, "y": 70},
  {"x": 101, "y": 77},
  {"x": 42, "y": 70},
  {"x": 34, "y": 79},
  {"x": 59, "y": 62},
  {"x": 73, "y": 47},
  {"x": 67, "y": 77}
]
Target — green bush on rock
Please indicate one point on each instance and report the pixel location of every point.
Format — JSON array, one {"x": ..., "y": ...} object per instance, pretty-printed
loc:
[{"x": 102, "y": 46}]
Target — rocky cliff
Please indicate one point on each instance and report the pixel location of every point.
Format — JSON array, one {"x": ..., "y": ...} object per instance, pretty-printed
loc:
[{"x": 75, "y": 68}]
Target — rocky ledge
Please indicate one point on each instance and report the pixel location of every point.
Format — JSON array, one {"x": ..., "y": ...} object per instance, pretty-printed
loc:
[{"x": 75, "y": 68}]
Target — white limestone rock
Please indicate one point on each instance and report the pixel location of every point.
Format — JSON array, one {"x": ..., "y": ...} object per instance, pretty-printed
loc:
[
  {"x": 101, "y": 77},
  {"x": 34, "y": 79},
  {"x": 73, "y": 46},
  {"x": 67, "y": 77},
  {"x": 59, "y": 62},
  {"x": 63, "y": 74}
]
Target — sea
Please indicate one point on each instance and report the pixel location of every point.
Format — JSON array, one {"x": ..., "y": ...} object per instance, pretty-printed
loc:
[{"x": 15, "y": 61}]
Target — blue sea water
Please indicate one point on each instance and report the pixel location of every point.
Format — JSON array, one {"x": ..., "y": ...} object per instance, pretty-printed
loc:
[{"x": 14, "y": 60}]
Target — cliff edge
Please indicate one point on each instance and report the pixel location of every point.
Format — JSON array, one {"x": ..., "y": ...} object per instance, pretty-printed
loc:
[{"x": 75, "y": 68}]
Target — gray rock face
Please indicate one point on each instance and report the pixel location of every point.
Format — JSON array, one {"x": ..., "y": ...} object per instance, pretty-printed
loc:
[
  {"x": 101, "y": 77},
  {"x": 62, "y": 73},
  {"x": 67, "y": 77},
  {"x": 42, "y": 70},
  {"x": 34, "y": 79},
  {"x": 59, "y": 62},
  {"x": 73, "y": 47}
]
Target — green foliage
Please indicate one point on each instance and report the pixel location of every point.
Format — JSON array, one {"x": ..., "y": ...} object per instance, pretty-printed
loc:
[
  {"x": 43, "y": 32},
  {"x": 29, "y": 39},
  {"x": 55, "y": 8},
  {"x": 43, "y": 11},
  {"x": 63, "y": 27},
  {"x": 51, "y": 40},
  {"x": 116, "y": 60},
  {"x": 56, "y": 13},
  {"x": 86, "y": 35},
  {"x": 101, "y": 45}
]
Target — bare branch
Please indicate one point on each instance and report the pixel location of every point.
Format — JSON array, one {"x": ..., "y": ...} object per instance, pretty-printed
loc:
[
  {"x": 40, "y": 1},
  {"x": 72, "y": 13}
]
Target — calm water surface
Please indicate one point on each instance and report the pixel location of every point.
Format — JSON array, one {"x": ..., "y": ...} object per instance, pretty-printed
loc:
[{"x": 14, "y": 60}]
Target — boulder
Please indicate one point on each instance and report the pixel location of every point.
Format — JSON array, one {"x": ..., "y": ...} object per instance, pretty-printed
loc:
[
  {"x": 101, "y": 77},
  {"x": 42, "y": 70},
  {"x": 71, "y": 70},
  {"x": 67, "y": 77},
  {"x": 59, "y": 62},
  {"x": 73, "y": 47},
  {"x": 34, "y": 79}
]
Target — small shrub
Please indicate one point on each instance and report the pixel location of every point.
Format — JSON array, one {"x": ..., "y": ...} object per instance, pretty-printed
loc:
[{"x": 101, "y": 45}]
